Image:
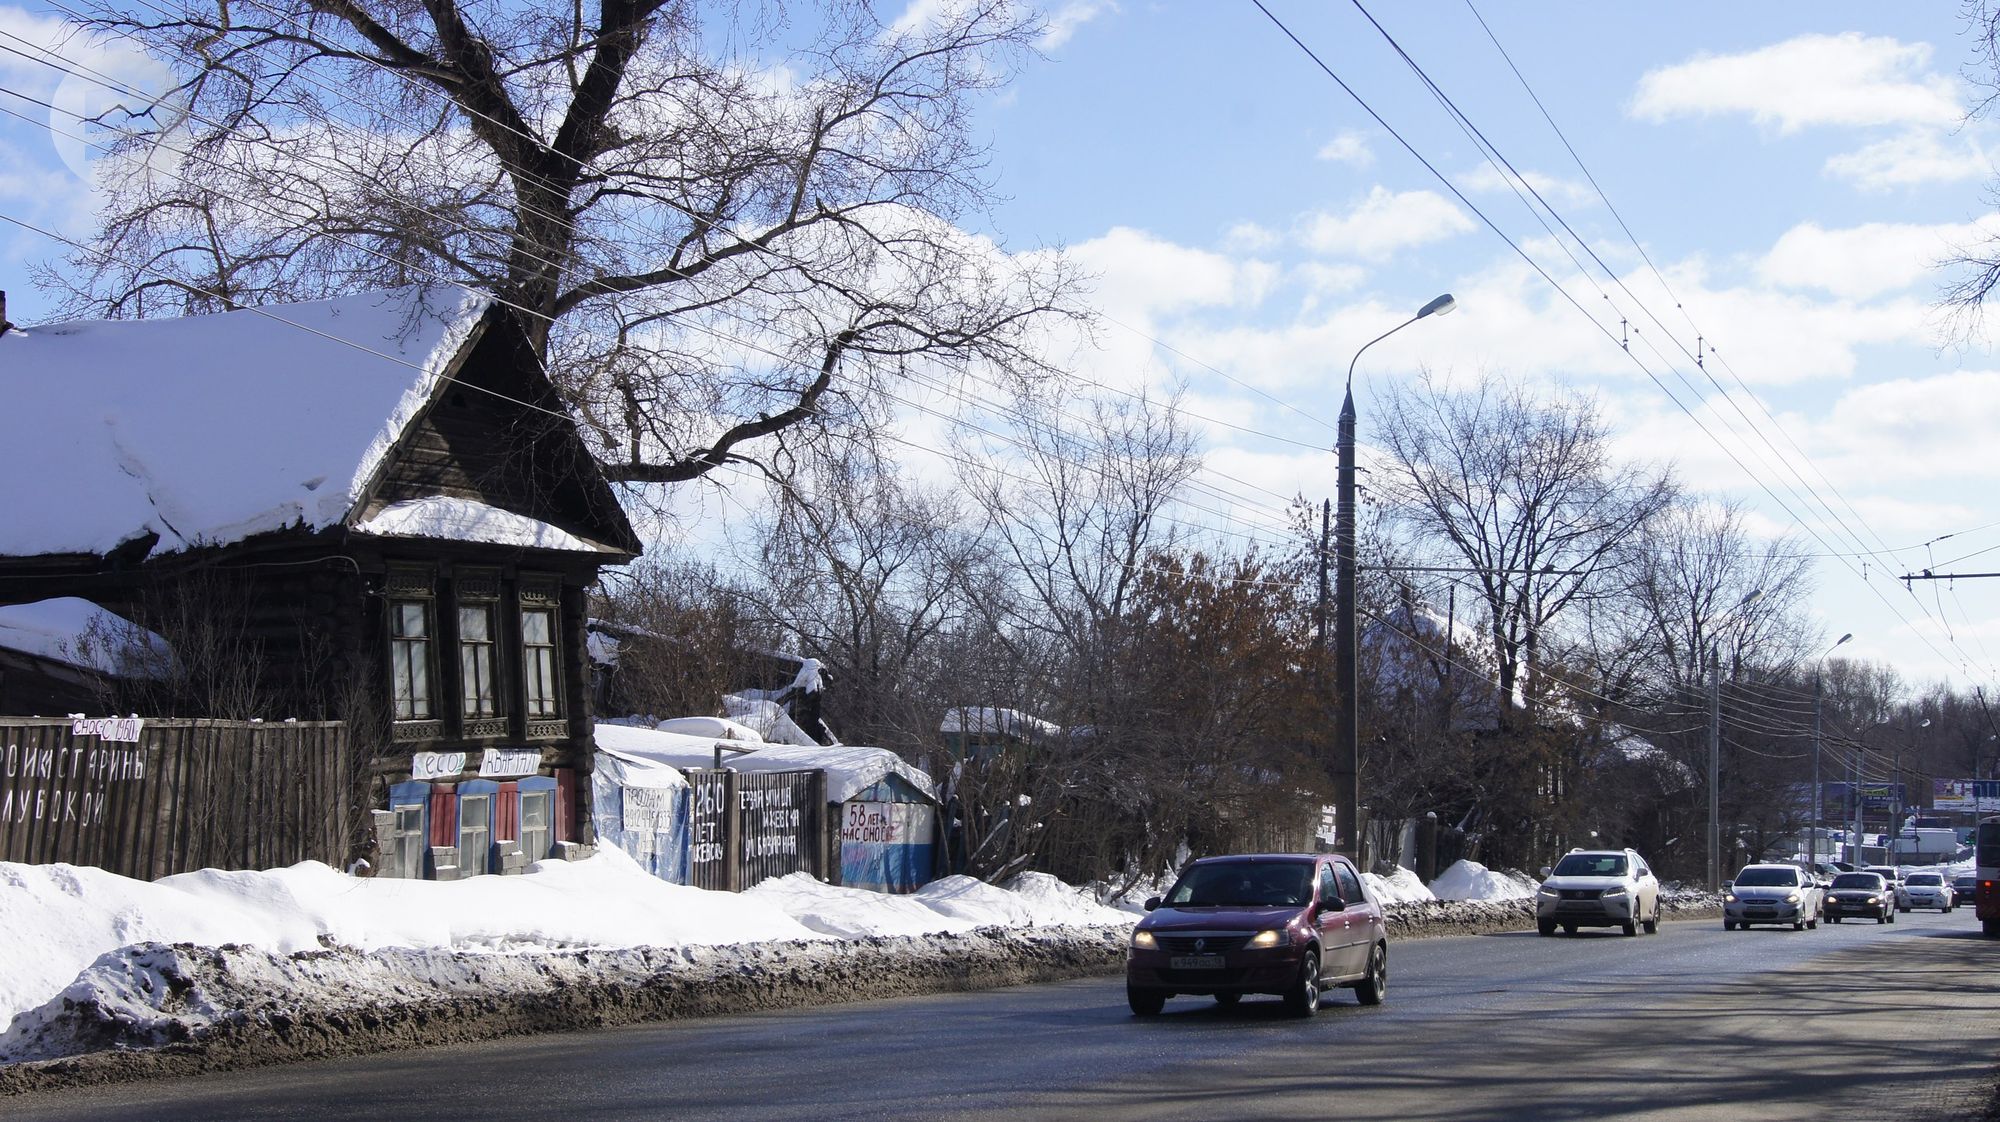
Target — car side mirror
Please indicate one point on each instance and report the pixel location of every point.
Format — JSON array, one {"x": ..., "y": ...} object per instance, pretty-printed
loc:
[
  {"x": 1545, "y": 872},
  {"x": 1152, "y": 902},
  {"x": 1728, "y": 884}
]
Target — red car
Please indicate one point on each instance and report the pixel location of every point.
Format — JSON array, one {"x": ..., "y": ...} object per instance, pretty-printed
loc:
[{"x": 1291, "y": 924}]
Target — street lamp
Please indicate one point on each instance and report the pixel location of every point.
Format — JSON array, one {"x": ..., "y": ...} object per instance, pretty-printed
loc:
[
  {"x": 1347, "y": 726},
  {"x": 1819, "y": 799},
  {"x": 1715, "y": 742}
]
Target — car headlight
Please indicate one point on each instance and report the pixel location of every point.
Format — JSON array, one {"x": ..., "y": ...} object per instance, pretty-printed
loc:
[
  {"x": 1144, "y": 941},
  {"x": 1729, "y": 898},
  {"x": 1610, "y": 892},
  {"x": 1873, "y": 900},
  {"x": 1793, "y": 898},
  {"x": 1265, "y": 939},
  {"x": 1548, "y": 892}
]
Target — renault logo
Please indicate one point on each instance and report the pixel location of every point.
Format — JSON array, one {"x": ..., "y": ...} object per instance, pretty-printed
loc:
[{"x": 1201, "y": 944}]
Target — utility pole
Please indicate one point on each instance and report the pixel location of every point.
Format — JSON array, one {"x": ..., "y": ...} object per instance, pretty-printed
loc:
[{"x": 1714, "y": 771}]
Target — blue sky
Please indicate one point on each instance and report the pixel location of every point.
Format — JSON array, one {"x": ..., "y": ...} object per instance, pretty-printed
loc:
[{"x": 1792, "y": 170}]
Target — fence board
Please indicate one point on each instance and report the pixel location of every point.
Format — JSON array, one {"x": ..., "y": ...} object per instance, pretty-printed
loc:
[{"x": 185, "y": 795}]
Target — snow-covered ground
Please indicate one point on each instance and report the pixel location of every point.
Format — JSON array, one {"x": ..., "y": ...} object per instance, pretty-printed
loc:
[
  {"x": 56, "y": 920},
  {"x": 1470, "y": 880}
]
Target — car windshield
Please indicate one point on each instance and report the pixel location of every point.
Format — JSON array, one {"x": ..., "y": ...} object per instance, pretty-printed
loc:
[
  {"x": 1885, "y": 874},
  {"x": 1858, "y": 880},
  {"x": 1754, "y": 877},
  {"x": 1929, "y": 880},
  {"x": 1591, "y": 865},
  {"x": 1243, "y": 883}
]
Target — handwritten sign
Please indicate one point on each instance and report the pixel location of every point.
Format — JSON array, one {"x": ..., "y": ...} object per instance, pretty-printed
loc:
[
  {"x": 51, "y": 783},
  {"x": 124, "y": 730},
  {"x": 436, "y": 765},
  {"x": 501, "y": 763}
]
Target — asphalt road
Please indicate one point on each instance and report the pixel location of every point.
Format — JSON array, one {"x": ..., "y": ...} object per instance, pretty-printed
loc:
[{"x": 1856, "y": 1021}]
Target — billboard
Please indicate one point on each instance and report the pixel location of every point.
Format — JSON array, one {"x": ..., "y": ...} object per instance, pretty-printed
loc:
[{"x": 1980, "y": 796}]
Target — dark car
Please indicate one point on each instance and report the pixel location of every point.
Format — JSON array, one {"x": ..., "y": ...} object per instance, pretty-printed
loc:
[
  {"x": 1293, "y": 925},
  {"x": 1965, "y": 887},
  {"x": 1861, "y": 894}
]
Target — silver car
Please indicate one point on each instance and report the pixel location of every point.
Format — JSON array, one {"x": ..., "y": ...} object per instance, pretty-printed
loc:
[
  {"x": 1598, "y": 888},
  {"x": 1772, "y": 894},
  {"x": 1926, "y": 890}
]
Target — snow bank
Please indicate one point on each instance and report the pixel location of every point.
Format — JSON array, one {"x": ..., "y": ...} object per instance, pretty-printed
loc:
[
  {"x": 1470, "y": 880},
  {"x": 1400, "y": 887},
  {"x": 853, "y": 913},
  {"x": 1056, "y": 903}
]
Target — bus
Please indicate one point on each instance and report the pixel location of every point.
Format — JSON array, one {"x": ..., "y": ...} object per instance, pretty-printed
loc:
[{"x": 1986, "y": 866}]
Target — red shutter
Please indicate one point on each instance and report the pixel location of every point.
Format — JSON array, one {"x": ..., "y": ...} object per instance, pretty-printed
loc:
[
  {"x": 507, "y": 813},
  {"x": 565, "y": 778},
  {"x": 444, "y": 814}
]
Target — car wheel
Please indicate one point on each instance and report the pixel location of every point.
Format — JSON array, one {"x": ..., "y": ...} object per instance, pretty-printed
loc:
[
  {"x": 1545, "y": 927},
  {"x": 1227, "y": 999},
  {"x": 1729, "y": 925},
  {"x": 1833, "y": 919},
  {"x": 1631, "y": 927},
  {"x": 1798, "y": 925},
  {"x": 1989, "y": 927},
  {"x": 1884, "y": 917},
  {"x": 1372, "y": 989},
  {"x": 1303, "y": 998},
  {"x": 1569, "y": 928},
  {"x": 1813, "y": 923},
  {"x": 1653, "y": 925},
  {"x": 1145, "y": 1003}
]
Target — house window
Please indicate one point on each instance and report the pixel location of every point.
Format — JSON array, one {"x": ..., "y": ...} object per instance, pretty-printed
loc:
[
  {"x": 475, "y": 833},
  {"x": 479, "y": 694},
  {"x": 536, "y": 817},
  {"x": 538, "y": 661},
  {"x": 410, "y": 657}
]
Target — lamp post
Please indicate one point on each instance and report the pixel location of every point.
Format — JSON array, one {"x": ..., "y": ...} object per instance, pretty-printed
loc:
[
  {"x": 1715, "y": 744},
  {"x": 1347, "y": 726},
  {"x": 1819, "y": 798}
]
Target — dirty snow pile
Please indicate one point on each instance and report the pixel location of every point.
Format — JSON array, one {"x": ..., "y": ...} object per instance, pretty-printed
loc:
[
  {"x": 1400, "y": 887},
  {"x": 62, "y": 926},
  {"x": 1470, "y": 880}
]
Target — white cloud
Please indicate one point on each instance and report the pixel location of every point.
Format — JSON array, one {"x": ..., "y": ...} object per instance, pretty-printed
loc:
[
  {"x": 1064, "y": 21},
  {"x": 1249, "y": 237},
  {"x": 1566, "y": 192},
  {"x": 1350, "y": 147},
  {"x": 1383, "y": 223},
  {"x": 1846, "y": 80},
  {"x": 1140, "y": 274},
  {"x": 1859, "y": 262},
  {"x": 1919, "y": 155}
]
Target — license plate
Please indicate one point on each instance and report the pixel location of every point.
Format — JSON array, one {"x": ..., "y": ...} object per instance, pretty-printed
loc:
[{"x": 1196, "y": 962}]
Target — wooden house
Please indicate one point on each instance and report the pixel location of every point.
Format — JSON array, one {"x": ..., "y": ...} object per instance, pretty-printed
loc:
[{"x": 354, "y": 509}]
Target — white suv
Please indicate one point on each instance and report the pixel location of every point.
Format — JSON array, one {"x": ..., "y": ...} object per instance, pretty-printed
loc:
[{"x": 1598, "y": 888}]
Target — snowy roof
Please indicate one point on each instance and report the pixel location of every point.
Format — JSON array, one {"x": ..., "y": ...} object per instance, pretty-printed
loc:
[
  {"x": 1000, "y": 722},
  {"x": 208, "y": 429},
  {"x": 79, "y": 633},
  {"x": 466, "y": 520},
  {"x": 849, "y": 769}
]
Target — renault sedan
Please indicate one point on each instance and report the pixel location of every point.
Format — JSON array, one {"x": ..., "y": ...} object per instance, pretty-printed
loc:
[{"x": 1294, "y": 925}]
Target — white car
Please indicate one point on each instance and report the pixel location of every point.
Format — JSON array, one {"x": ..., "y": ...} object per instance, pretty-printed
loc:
[
  {"x": 1772, "y": 894},
  {"x": 1926, "y": 890},
  {"x": 1598, "y": 888}
]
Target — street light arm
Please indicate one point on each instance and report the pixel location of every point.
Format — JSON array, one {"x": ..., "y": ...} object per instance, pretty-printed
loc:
[{"x": 1375, "y": 340}]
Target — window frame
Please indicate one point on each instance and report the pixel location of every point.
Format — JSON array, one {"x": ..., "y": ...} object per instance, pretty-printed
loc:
[
  {"x": 412, "y": 587},
  {"x": 541, "y": 663}
]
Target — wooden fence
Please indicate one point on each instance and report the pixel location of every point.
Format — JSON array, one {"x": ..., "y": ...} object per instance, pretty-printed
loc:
[
  {"x": 750, "y": 826},
  {"x": 148, "y": 798}
]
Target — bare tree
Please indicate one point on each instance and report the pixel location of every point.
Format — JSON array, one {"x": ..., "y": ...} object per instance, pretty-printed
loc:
[
  {"x": 1521, "y": 491},
  {"x": 867, "y": 571},
  {"x": 717, "y": 256}
]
